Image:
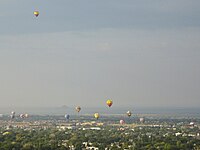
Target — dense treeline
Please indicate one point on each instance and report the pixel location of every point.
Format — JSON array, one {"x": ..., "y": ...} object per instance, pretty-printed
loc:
[{"x": 109, "y": 137}]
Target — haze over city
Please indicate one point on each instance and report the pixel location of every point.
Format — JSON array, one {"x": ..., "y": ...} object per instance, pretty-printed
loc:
[{"x": 137, "y": 53}]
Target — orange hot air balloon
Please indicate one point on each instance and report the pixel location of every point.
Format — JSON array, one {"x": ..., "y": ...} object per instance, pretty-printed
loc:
[
  {"x": 78, "y": 109},
  {"x": 96, "y": 115},
  {"x": 36, "y": 13},
  {"x": 109, "y": 102}
]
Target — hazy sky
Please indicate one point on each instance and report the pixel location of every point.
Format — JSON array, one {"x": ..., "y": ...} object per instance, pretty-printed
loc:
[{"x": 82, "y": 52}]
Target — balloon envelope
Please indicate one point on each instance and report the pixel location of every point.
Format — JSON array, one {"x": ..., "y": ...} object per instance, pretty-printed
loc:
[
  {"x": 22, "y": 116},
  {"x": 142, "y": 120},
  {"x": 78, "y": 108},
  {"x": 67, "y": 116},
  {"x": 96, "y": 115},
  {"x": 36, "y": 13},
  {"x": 109, "y": 102},
  {"x": 121, "y": 121},
  {"x": 12, "y": 116},
  {"x": 129, "y": 113},
  {"x": 26, "y": 115}
]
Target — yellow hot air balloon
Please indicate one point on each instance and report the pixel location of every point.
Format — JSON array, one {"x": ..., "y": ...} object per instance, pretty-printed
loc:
[
  {"x": 109, "y": 102},
  {"x": 96, "y": 115},
  {"x": 36, "y": 13},
  {"x": 78, "y": 109}
]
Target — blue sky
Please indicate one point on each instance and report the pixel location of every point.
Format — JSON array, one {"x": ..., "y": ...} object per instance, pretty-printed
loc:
[{"x": 136, "y": 52}]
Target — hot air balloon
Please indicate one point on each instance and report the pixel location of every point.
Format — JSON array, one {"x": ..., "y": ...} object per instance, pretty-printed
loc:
[
  {"x": 67, "y": 116},
  {"x": 142, "y": 120},
  {"x": 36, "y": 13},
  {"x": 129, "y": 113},
  {"x": 12, "y": 116},
  {"x": 96, "y": 115},
  {"x": 26, "y": 115},
  {"x": 78, "y": 109},
  {"x": 22, "y": 116},
  {"x": 109, "y": 102},
  {"x": 121, "y": 121},
  {"x": 192, "y": 124}
]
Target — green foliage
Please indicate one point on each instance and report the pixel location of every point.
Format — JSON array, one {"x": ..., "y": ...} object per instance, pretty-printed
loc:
[{"x": 148, "y": 138}]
